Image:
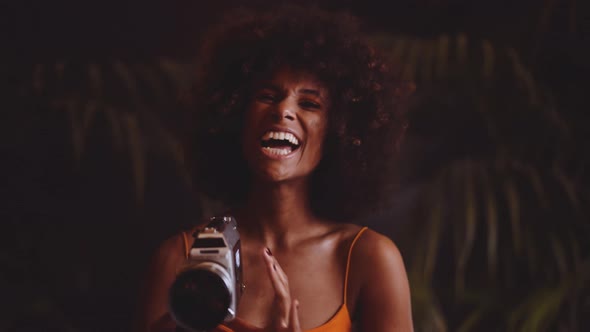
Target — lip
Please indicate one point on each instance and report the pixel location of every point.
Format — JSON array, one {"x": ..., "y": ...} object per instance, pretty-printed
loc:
[{"x": 281, "y": 129}]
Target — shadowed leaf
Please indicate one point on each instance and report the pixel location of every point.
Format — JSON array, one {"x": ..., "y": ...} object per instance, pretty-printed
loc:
[
  {"x": 411, "y": 61},
  {"x": 488, "y": 59},
  {"x": 427, "y": 57},
  {"x": 115, "y": 126},
  {"x": 436, "y": 217},
  {"x": 134, "y": 139},
  {"x": 461, "y": 50},
  {"x": 523, "y": 75},
  {"x": 491, "y": 208},
  {"x": 470, "y": 323},
  {"x": 513, "y": 201},
  {"x": 442, "y": 55},
  {"x": 470, "y": 226}
]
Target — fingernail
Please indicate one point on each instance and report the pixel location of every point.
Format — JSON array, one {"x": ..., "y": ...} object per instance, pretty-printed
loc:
[
  {"x": 268, "y": 252},
  {"x": 274, "y": 267}
]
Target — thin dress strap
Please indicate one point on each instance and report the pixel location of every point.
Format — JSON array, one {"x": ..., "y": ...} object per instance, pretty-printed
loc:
[{"x": 358, "y": 235}]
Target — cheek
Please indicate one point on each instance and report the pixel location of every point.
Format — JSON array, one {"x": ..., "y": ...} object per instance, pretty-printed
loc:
[{"x": 318, "y": 128}]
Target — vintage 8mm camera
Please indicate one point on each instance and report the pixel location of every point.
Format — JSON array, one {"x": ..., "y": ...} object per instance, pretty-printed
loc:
[{"x": 208, "y": 287}]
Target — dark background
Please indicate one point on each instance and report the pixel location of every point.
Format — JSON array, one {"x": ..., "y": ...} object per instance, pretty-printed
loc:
[{"x": 91, "y": 178}]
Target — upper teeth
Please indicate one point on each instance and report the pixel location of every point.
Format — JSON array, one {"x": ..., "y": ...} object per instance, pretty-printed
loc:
[{"x": 281, "y": 136}]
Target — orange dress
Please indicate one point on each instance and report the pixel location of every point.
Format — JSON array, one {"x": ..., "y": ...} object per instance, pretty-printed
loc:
[{"x": 340, "y": 322}]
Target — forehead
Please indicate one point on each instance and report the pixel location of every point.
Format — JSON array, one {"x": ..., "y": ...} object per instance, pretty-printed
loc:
[{"x": 296, "y": 80}]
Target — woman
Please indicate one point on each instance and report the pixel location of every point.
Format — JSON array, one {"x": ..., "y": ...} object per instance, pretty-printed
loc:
[{"x": 298, "y": 120}]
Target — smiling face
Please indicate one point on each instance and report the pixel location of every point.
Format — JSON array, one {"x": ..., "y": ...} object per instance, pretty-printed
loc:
[{"x": 285, "y": 126}]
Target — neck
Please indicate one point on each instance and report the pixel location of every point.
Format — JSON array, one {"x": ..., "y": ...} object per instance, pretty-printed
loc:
[{"x": 276, "y": 214}]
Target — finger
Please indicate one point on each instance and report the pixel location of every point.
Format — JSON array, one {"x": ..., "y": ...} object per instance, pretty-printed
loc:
[
  {"x": 277, "y": 275},
  {"x": 282, "y": 293},
  {"x": 276, "y": 266},
  {"x": 294, "y": 324}
]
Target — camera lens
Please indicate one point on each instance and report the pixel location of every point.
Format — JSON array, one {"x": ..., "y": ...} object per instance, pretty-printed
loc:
[{"x": 199, "y": 299}]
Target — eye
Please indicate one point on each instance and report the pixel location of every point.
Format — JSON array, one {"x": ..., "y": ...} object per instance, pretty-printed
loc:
[
  {"x": 266, "y": 97},
  {"x": 308, "y": 104}
]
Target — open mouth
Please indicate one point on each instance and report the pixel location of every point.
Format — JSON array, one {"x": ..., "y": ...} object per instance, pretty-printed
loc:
[{"x": 279, "y": 143}]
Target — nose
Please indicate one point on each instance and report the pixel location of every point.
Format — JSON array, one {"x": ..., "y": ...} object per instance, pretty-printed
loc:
[{"x": 283, "y": 111}]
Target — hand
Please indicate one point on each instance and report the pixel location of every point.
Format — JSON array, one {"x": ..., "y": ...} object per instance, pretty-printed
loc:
[{"x": 287, "y": 318}]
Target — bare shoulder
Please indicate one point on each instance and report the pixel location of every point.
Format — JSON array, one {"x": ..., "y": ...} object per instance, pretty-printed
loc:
[
  {"x": 376, "y": 259},
  {"x": 376, "y": 248},
  {"x": 380, "y": 285},
  {"x": 371, "y": 245}
]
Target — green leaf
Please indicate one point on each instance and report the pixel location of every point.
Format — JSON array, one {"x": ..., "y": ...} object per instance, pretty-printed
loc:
[
  {"x": 76, "y": 126},
  {"x": 427, "y": 57},
  {"x": 442, "y": 57},
  {"x": 471, "y": 321},
  {"x": 434, "y": 229},
  {"x": 411, "y": 63},
  {"x": 470, "y": 226},
  {"x": 137, "y": 155},
  {"x": 559, "y": 254},
  {"x": 513, "y": 201},
  {"x": 488, "y": 59},
  {"x": 95, "y": 78},
  {"x": 524, "y": 76},
  {"x": 115, "y": 126},
  {"x": 491, "y": 208},
  {"x": 461, "y": 48},
  {"x": 568, "y": 187}
]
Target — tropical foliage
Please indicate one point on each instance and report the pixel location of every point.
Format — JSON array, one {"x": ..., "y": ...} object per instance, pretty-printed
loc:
[
  {"x": 494, "y": 224},
  {"x": 500, "y": 233}
]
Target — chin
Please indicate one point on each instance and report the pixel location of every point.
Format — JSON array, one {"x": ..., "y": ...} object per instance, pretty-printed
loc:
[
  {"x": 276, "y": 175},
  {"x": 277, "y": 170}
]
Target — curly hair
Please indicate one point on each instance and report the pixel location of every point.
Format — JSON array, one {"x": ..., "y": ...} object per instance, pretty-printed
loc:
[{"x": 366, "y": 119}]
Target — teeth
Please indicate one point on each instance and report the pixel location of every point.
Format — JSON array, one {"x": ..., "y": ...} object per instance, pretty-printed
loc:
[
  {"x": 280, "y": 152},
  {"x": 280, "y": 136},
  {"x": 291, "y": 138}
]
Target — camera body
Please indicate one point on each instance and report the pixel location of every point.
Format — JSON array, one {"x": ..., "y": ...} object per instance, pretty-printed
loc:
[{"x": 208, "y": 287}]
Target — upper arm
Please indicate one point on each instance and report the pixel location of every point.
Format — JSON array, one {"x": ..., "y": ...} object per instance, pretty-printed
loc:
[
  {"x": 384, "y": 294},
  {"x": 153, "y": 302}
]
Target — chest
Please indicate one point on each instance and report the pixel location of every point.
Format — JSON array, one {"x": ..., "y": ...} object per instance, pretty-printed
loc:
[{"x": 315, "y": 278}]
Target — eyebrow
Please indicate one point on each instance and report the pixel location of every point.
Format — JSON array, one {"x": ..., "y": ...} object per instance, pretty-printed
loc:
[
  {"x": 272, "y": 86},
  {"x": 310, "y": 91}
]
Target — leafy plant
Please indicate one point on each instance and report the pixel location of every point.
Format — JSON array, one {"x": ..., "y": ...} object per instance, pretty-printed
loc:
[
  {"x": 137, "y": 101},
  {"x": 499, "y": 237}
]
